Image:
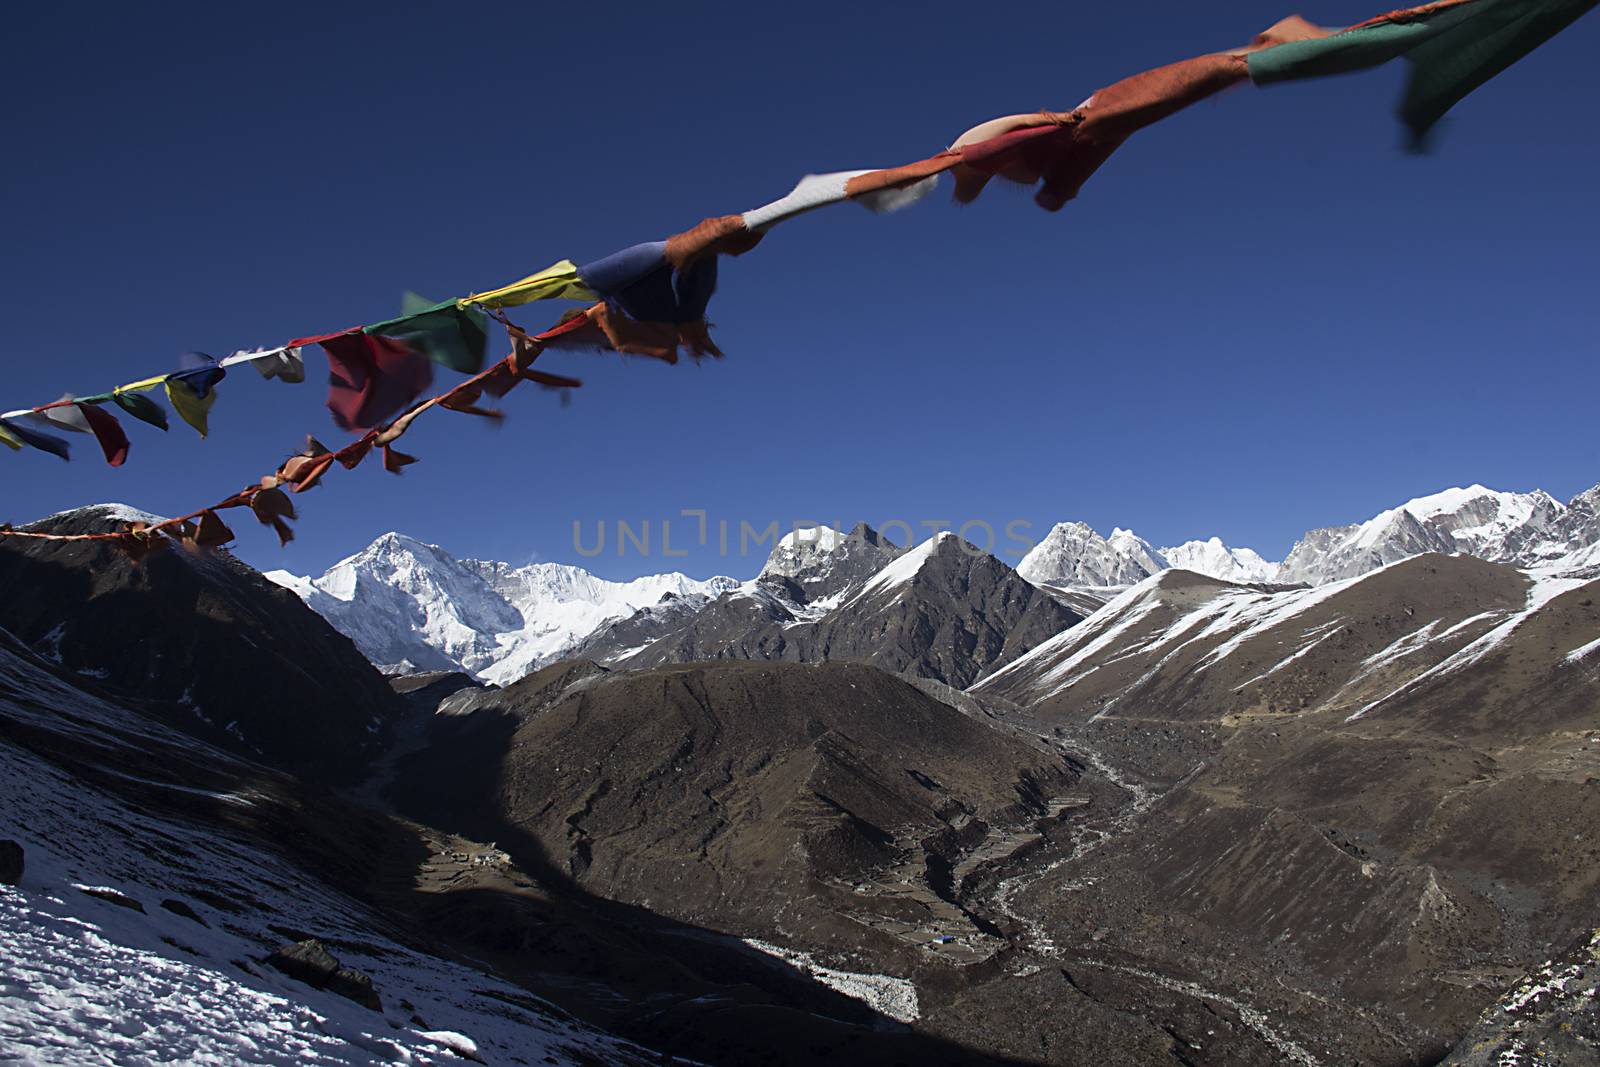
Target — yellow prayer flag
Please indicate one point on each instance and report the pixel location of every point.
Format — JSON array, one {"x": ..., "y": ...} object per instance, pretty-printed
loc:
[
  {"x": 9, "y": 439},
  {"x": 142, "y": 385},
  {"x": 190, "y": 405},
  {"x": 557, "y": 282}
]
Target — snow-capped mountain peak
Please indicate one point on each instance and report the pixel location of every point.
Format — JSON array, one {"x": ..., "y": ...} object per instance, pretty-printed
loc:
[
  {"x": 1216, "y": 560},
  {"x": 411, "y": 605},
  {"x": 408, "y": 604},
  {"x": 1483, "y": 522},
  {"x": 1528, "y": 529},
  {"x": 1073, "y": 554},
  {"x": 824, "y": 562},
  {"x": 1133, "y": 546}
]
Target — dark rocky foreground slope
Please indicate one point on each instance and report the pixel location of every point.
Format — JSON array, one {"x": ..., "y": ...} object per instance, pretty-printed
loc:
[
  {"x": 162, "y": 874},
  {"x": 943, "y": 610},
  {"x": 203, "y": 641}
]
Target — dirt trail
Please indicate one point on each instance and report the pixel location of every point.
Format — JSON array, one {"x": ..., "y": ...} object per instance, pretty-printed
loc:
[{"x": 1094, "y": 830}]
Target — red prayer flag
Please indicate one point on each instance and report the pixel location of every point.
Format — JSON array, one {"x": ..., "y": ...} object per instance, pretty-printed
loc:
[
  {"x": 1065, "y": 148},
  {"x": 108, "y": 431},
  {"x": 371, "y": 377}
]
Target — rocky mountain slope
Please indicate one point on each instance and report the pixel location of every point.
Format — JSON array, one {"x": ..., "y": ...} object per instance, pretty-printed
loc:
[
  {"x": 748, "y": 798},
  {"x": 823, "y": 563},
  {"x": 1295, "y": 825},
  {"x": 205, "y": 642},
  {"x": 1550, "y": 1018},
  {"x": 413, "y": 606},
  {"x": 942, "y": 610},
  {"x": 1378, "y": 791}
]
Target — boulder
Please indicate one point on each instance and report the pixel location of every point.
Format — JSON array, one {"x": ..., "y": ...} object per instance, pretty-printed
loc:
[
  {"x": 179, "y": 908},
  {"x": 311, "y": 962},
  {"x": 10, "y": 863},
  {"x": 112, "y": 896}
]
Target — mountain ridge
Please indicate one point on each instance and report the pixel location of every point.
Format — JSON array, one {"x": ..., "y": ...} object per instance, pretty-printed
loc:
[{"x": 409, "y": 605}]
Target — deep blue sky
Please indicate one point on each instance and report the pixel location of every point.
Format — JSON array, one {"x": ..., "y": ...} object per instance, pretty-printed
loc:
[{"x": 1260, "y": 317}]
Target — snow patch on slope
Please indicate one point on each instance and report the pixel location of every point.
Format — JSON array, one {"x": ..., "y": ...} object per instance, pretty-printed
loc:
[
  {"x": 111, "y": 512},
  {"x": 893, "y": 997},
  {"x": 1584, "y": 651},
  {"x": 904, "y": 569},
  {"x": 1543, "y": 587},
  {"x": 1317, "y": 635},
  {"x": 72, "y": 992},
  {"x": 1087, "y": 639}
]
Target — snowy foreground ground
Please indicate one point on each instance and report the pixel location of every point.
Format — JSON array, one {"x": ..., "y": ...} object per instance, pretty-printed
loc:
[
  {"x": 75, "y": 991},
  {"x": 96, "y": 966}
]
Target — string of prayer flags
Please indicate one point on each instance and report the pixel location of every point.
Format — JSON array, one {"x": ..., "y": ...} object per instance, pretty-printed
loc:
[
  {"x": 209, "y": 532},
  {"x": 651, "y": 299},
  {"x": 649, "y": 306},
  {"x": 137, "y": 541},
  {"x": 190, "y": 390},
  {"x": 199, "y": 372},
  {"x": 204, "y": 530},
  {"x": 377, "y": 371},
  {"x": 192, "y": 406},
  {"x": 654, "y": 295}
]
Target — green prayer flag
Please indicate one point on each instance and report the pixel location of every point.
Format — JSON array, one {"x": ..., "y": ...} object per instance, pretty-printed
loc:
[
  {"x": 1358, "y": 48},
  {"x": 445, "y": 332},
  {"x": 1454, "y": 63},
  {"x": 142, "y": 408},
  {"x": 1452, "y": 49}
]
